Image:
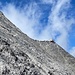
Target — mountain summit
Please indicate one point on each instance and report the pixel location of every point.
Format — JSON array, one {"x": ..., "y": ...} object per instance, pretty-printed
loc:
[{"x": 21, "y": 55}]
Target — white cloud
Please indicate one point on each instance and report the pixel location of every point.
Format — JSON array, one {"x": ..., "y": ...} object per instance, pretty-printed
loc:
[
  {"x": 48, "y": 1},
  {"x": 28, "y": 20},
  {"x": 72, "y": 51},
  {"x": 58, "y": 26}
]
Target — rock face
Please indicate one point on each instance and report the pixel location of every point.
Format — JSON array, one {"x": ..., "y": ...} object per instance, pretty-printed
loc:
[{"x": 21, "y": 55}]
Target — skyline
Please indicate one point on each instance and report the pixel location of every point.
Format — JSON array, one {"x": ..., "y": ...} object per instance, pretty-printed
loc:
[{"x": 44, "y": 19}]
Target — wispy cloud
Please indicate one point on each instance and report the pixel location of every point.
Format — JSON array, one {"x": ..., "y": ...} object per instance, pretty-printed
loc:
[
  {"x": 48, "y": 1},
  {"x": 28, "y": 19},
  {"x": 59, "y": 25},
  {"x": 72, "y": 51}
]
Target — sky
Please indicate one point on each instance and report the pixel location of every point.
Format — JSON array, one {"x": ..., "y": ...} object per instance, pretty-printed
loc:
[{"x": 44, "y": 20}]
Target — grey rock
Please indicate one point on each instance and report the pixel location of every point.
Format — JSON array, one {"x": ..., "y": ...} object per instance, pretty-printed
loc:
[{"x": 21, "y": 55}]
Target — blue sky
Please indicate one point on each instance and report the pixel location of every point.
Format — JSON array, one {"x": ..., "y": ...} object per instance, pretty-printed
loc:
[{"x": 44, "y": 19}]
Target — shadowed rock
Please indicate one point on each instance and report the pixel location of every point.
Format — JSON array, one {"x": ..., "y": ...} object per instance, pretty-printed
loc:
[{"x": 21, "y": 55}]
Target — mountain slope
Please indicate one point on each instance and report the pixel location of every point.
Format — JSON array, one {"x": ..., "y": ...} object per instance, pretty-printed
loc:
[{"x": 21, "y": 55}]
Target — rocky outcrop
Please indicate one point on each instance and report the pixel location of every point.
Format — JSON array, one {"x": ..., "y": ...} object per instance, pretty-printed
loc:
[{"x": 21, "y": 55}]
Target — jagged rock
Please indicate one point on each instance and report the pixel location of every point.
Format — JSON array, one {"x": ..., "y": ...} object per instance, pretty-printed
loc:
[{"x": 21, "y": 55}]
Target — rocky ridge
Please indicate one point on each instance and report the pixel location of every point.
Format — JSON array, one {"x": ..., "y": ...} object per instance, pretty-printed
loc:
[{"x": 21, "y": 55}]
